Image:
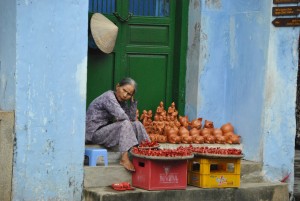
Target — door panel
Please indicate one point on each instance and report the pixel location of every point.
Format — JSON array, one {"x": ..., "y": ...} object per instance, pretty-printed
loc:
[
  {"x": 156, "y": 35},
  {"x": 150, "y": 72}
]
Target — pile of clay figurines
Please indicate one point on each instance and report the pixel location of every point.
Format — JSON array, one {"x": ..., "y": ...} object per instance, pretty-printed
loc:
[{"x": 167, "y": 128}]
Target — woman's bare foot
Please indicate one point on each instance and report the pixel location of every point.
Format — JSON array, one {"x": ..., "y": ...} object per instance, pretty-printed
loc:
[{"x": 125, "y": 161}]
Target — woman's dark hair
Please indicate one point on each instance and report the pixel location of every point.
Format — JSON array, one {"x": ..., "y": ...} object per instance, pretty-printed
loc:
[{"x": 128, "y": 80}]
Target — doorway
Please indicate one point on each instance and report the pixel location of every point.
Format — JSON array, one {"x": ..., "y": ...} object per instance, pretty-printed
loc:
[{"x": 150, "y": 48}]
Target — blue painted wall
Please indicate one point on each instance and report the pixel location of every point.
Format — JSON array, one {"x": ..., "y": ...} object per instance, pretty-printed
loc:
[
  {"x": 248, "y": 42},
  {"x": 7, "y": 54},
  {"x": 51, "y": 59},
  {"x": 279, "y": 125},
  {"x": 246, "y": 72}
]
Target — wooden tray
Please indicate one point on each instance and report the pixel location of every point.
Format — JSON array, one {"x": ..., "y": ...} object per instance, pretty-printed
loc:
[
  {"x": 218, "y": 155},
  {"x": 162, "y": 158},
  {"x": 154, "y": 147}
]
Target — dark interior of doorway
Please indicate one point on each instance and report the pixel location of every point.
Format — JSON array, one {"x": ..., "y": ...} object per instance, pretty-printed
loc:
[
  {"x": 297, "y": 139},
  {"x": 296, "y": 193}
]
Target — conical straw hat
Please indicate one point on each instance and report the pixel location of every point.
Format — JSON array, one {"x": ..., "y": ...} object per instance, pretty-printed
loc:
[{"x": 104, "y": 32}]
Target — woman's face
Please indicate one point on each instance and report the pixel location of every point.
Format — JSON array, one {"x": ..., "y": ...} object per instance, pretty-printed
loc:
[{"x": 125, "y": 92}]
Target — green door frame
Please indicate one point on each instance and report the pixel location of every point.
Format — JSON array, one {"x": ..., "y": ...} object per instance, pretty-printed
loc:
[{"x": 181, "y": 54}]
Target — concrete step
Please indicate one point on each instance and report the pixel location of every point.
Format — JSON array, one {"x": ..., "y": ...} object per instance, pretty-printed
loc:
[
  {"x": 251, "y": 172},
  {"x": 246, "y": 192},
  {"x": 101, "y": 176}
]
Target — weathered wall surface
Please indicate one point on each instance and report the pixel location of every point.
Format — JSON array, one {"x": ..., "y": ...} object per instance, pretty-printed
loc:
[
  {"x": 7, "y": 54},
  {"x": 279, "y": 125},
  {"x": 50, "y": 99},
  {"x": 246, "y": 73},
  {"x": 192, "y": 72}
]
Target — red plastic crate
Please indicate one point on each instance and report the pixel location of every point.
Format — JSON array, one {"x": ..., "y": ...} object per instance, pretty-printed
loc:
[{"x": 159, "y": 175}]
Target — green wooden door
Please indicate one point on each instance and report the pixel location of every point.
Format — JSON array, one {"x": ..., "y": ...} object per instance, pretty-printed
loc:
[{"x": 144, "y": 51}]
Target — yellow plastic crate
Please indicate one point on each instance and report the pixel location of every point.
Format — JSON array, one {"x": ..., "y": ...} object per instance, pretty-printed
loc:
[{"x": 214, "y": 173}]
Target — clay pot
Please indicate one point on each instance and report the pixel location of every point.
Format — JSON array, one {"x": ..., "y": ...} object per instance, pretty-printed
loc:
[
  {"x": 198, "y": 139},
  {"x": 184, "y": 121},
  {"x": 227, "y": 128},
  {"x": 217, "y": 131},
  {"x": 194, "y": 131},
  {"x": 196, "y": 123},
  {"x": 183, "y": 131},
  {"x": 208, "y": 124}
]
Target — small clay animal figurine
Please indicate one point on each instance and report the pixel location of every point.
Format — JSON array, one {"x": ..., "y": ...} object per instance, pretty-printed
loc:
[
  {"x": 178, "y": 139},
  {"x": 196, "y": 123},
  {"x": 209, "y": 139},
  {"x": 161, "y": 138},
  {"x": 228, "y": 137},
  {"x": 172, "y": 131},
  {"x": 184, "y": 121},
  {"x": 144, "y": 116},
  {"x": 177, "y": 123},
  {"x": 149, "y": 114},
  {"x": 198, "y": 139},
  {"x": 217, "y": 131},
  {"x": 160, "y": 108},
  {"x": 153, "y": 137},
  {"x": 205, "y": 132},
  {"x": 208, "y": 124},
  {"x": 235, "y": 139},
  {"x": 187, "y": 139},
  {"x": 183, "y": 131},
  {"x": 220, "y": 139},
  {"x": 172, "y": 110},
  {"x": 194, "y": 131},
  {"x": 160, "y": 127},
  {"x": 172, "y": 138}
]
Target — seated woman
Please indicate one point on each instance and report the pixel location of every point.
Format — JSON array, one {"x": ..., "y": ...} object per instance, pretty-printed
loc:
[{"x": 111, "y": 121}]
